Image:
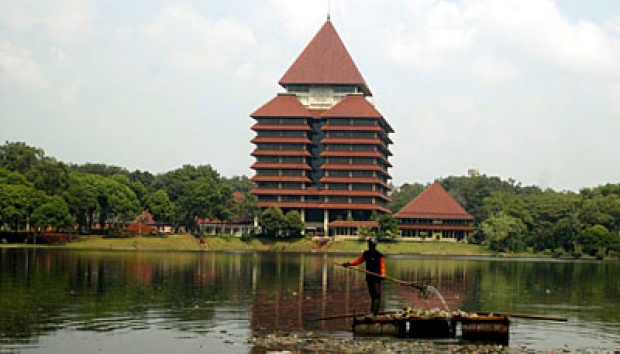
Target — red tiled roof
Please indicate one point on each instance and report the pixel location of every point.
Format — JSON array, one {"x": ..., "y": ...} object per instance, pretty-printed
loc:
[
  {"x": 283, "y": 105},
  {"x": 283, "y": 166},
  {"x": 325, "y": 61},
  {"x": 281, "y": 127},
  {"x": 433, "y": 202},
  {"x": 259, "y": 152},
  {"x": 280, "y": 139},
  {"x": 353, "y": 106}
]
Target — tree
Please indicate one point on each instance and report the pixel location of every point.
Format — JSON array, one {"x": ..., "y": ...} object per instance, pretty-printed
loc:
[
  {"x": 566, "y": 232},
  {"x": 159, "y": 205},
  {"x": 365, "y": 232},
  {"x": 50, "y": 176},
  {"x": 504, "y": 233},
  {"x": 594, "y": 238},
  {"x": 19, "y": 157},
  {"x": 388, "y": 226},
  {"x": 293, "y": 225},
  {"x": 54, "y": 213},
  {"x": 17, "y": 203},
  {"x": 272, "y": 221},
  {"x": 81, "y": 197}
]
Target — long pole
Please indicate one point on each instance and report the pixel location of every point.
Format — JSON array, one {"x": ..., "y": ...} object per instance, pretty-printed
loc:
[
  {"x": 395, "y": 280},
  {"x": 531, "y": 317}
]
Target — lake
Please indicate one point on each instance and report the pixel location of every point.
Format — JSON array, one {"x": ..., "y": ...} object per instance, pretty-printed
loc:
[{"x": 67, "y": 301}]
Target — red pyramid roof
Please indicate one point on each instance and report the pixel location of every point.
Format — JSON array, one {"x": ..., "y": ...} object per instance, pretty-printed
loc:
[
  {"x": 434, "y": 202},
  {"x": 325, "y": 61},
  {"x": 282, "y": 106},
  {"x": 353, "y": 106}
]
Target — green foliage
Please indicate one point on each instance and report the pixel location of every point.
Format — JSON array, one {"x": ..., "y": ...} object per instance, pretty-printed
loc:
[
  {"x": 388, "y": 226},
  {"x": 364, "y": 233},
  {"x": 594, "y": 238},
  {"x": 504, "y": 233},
  {"x": 19, "y": 157},
  {"x": 53, "y": 212},
  {"x": 293, "y": 225},
  {"x": 159, "y": 205},
  {"x": 272, "y": 221}
]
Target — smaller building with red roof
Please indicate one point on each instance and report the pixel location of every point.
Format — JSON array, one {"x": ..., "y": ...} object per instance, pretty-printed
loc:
[{"x": 435, "y": 215}]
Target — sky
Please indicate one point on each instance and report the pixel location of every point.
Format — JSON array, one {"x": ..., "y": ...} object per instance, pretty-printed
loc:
[{"x": 527, "y": 90}]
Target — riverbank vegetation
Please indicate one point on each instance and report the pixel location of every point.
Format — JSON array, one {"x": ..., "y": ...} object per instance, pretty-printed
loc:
[
  {"x": 38, "y": 192},
  {"x": 187, "y": 242}
]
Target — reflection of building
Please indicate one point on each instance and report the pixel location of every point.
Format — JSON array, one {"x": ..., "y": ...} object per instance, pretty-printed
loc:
[
  {"x": 322, "y": 147},
  {"x": 435, "y": 215}
]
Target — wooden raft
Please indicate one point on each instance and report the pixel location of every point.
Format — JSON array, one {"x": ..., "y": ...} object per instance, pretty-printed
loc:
[{"x": 480, "y": 328}]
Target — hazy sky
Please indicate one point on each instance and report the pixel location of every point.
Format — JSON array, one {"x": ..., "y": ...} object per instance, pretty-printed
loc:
[{"x": 523, "y": 89}]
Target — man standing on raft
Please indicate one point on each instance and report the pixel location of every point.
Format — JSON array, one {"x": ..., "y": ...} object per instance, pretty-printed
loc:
[{"x": 375, "y": 263}]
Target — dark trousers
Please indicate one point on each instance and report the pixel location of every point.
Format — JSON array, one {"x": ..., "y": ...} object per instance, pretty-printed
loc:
[{"x": 374, "y": 289}]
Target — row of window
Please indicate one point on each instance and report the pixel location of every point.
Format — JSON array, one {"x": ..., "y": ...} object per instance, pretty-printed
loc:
[
  {"x": 279, "y": 146},
  {"x": 281, "y": 159},
  {"x": 327, "y": 186},
  {"x": 457, "y": 222},
  {"x": 282, "y": 121},
  {"x": 350, "y": 160},
  {"x": 271, "y": 172},
  {"x": 351, "y": 121},
  {"x": 351, "y": 134},
  {"x": 283, "y": 133},
  {"x": 315, "y": 199}
]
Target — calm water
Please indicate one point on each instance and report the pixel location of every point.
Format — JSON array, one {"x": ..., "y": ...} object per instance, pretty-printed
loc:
[{"x": 56, "y": 301}]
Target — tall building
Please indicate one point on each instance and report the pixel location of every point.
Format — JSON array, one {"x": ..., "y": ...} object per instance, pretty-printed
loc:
[{"x": 321, "y": 147}]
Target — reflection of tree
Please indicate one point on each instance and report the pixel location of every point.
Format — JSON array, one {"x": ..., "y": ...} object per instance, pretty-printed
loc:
[
  {"x": 42, "y": 291},
  {"x": 540, "y": 287}
]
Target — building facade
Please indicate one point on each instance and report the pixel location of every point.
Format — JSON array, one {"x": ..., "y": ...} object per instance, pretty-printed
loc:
[
  {"x": 434, "y": 215},
  {"x": 321, "y": 147}
]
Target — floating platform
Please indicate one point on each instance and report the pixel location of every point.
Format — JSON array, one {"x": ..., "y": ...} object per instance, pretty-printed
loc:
[{"x": 475, "y": 327}]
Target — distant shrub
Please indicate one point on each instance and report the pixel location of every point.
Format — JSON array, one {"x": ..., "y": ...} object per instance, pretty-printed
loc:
[{"x": 558, "y": 252}]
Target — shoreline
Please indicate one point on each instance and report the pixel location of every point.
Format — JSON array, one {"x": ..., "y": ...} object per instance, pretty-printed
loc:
[{"x": 229, "y": 244}]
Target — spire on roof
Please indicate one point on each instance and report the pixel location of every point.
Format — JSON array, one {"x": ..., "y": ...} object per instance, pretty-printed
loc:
[{"x": 325, "y": 61}]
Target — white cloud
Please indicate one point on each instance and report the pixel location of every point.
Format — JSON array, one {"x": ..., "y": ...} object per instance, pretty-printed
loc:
[
  {"x": 70, "y": 93},
  {"x": 439, "y": 32},
  {"x": 489, "y": 70},
  {"x": 429, "y": 38},
  {"x": 300, "y": 18},
  {"x": 19, "y": 66},
  {"x": 197, "y": 43},
  {"x": 71, "y": 21},
  {"x": 65, "y": 21},
  {"x": 540, "y": 28},
  {"x": 61, "y": 56}
]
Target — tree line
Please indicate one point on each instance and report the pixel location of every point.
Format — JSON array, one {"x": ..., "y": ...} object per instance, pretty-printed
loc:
[
  {"x": 515, "y": 218},
  {"x": 39, "y": 191}
]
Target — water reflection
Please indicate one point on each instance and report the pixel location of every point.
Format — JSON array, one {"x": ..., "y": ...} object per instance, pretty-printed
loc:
[{"x": 215, "y": 298}]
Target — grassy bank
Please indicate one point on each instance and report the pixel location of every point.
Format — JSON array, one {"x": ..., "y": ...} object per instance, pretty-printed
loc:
[{"x": 190, "y": 243}]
